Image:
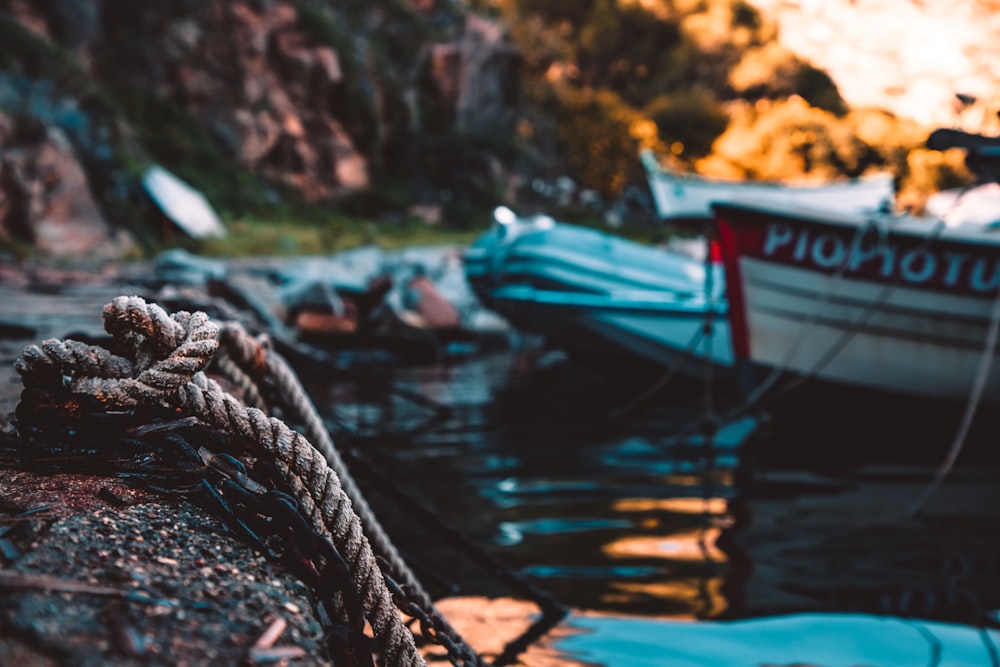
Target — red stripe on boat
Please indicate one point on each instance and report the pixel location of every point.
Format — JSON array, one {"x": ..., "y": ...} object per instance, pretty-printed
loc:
[
  {"x": 727, "y": 246},
  {"x": 714, "y": 252}
]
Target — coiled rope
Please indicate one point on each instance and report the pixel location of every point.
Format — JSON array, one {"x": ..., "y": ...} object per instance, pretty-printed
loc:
[
  {"x": 253, "y": 359},
  {"x": 162, "y": 362}
]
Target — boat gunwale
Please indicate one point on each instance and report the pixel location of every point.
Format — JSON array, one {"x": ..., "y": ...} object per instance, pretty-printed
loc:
[
  {"x": 657, "y": 170},
  {"x": 908, "y": 226}
]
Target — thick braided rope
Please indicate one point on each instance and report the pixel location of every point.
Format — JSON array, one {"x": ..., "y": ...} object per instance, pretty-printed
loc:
[
  {"x": 149, "y": 332},
  {"x": 315, "y": 485},
  {"x": 252, "y": 353},
  {"x": 167, "y": 351},
  {"x": 40, "y": 364},
  {"x": 170, "y": 353},
  {"x": 228, "y": 368},
  {"x": 249, "y": 352}
]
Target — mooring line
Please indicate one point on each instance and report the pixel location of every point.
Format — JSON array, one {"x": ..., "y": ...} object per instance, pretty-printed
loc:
[
  {"x": 975, "y": 396},
  {"x": 170, "y": 354}
]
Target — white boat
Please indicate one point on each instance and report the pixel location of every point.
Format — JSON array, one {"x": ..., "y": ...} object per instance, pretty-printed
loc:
[
  {"x": 681, "y": 197},
  {"x": 866, "y": 338},
  {"x": 600, "y": 295},
  {"x": 975, "y": 206},
  {"x": 873, "y": 310}
]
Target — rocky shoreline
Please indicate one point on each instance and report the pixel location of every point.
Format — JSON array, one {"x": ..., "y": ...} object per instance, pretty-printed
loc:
[{"x": 97, "y": 571}]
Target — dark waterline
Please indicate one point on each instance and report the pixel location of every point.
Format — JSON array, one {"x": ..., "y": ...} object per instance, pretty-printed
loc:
[{"x": 613, "y": 517}]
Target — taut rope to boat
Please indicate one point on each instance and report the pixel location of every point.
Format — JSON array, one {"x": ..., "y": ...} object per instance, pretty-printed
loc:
[
  {"x": 975, "y": 396},
  {"x": 253, "y": 358}
]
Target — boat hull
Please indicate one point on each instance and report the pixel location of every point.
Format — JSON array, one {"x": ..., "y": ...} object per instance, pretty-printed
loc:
[
  {"x": 827, "y": 425},
  {"x": 601, "y": 297},
  {"x": 687, "y": 198},
  {"x": 897, "y": 310},
  {"x": 691, "y": 338}
]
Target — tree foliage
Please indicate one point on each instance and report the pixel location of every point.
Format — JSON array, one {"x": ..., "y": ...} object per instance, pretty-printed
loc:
[
  {"x": 789, "y": 138},
  {"x": 771, "y": 71},
  {"x": 689, "y": 122},
  {"x": 705, "y": 81},
  {"x": 724, "y": 95},
  {"x": 603, "y": 135}
]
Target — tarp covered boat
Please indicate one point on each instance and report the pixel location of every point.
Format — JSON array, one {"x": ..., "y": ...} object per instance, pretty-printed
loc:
[{"x": 601, "y": 296}]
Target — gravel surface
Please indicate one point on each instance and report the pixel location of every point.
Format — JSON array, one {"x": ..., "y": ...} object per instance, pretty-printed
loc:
[
  {"x": 106, "y": 574},
  {"x": 158, "y": 582}
]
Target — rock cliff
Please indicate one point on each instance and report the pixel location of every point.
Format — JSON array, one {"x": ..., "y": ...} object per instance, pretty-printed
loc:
[{"x": 303, "y": 100}]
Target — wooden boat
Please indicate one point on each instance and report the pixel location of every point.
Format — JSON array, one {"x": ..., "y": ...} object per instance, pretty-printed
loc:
[
  {"x": 601, "y": 297},
  {"x": 874, "y": 310},
  {"x": 687, "y": 198}
]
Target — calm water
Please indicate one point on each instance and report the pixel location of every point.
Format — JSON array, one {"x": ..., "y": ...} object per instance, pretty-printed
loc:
[{"x": 674, "y": 552}]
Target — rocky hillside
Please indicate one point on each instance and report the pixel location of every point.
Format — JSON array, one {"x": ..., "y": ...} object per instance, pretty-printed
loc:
[
  {"x": 440, "y": 109},
  {"x": 256, "y": 102}
]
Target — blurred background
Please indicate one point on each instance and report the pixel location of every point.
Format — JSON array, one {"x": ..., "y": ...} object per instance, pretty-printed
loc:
[
  {"x": 313, "y": 125},
  {"x": 292, "y": 128}
]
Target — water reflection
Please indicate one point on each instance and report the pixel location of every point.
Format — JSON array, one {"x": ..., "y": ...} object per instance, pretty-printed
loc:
[
  {"x": 851, "y": 545},
  {"x": 510, "y": 533},
  {"x": 687, "y": 546},
  {"x": 614, "y": 517}
]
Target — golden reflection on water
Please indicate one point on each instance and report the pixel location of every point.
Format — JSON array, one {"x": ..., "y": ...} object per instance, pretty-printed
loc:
[
  {"x": 712, "y": 506},
  {"x": 721, "y": 478},
  {"x": 685, "y": 599},
  {"x": 696, "y": 544}
]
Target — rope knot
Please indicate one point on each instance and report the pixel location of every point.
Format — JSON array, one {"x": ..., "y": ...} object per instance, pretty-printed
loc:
[
  {"x": 161, "y": 353},
  {"x": 162, "y": 362}
]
